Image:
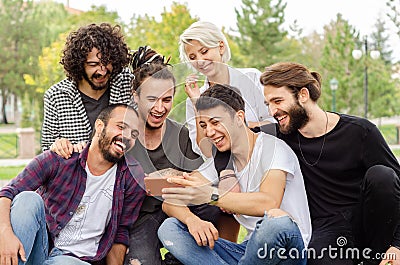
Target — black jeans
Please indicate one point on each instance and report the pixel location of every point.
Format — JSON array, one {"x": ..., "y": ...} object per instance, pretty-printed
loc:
[
  {"x": 370, "y": 225},
  {"x": 144, "y": 244}
]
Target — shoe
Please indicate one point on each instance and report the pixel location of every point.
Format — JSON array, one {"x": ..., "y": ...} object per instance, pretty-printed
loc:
[{"x": 169, "y": 259}]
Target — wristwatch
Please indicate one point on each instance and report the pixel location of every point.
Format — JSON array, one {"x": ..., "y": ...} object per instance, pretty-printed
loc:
[{"x": 214, "y": 196}]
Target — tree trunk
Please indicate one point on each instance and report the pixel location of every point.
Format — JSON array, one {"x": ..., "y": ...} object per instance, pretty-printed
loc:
[
  {"x": 17, "y": 114},
  {"x": 3, "y": 105}
]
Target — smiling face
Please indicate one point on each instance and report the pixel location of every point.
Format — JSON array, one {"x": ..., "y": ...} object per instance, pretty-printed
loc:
[
  {"x": 219, "y": 126},
  {"x": 206, "y": 60},
  {"x": 119, "y": 135},
  {"x": 154, "y": 101},
  {"x": 96, "y": 74},
  {"x": 285, "y": 108}
]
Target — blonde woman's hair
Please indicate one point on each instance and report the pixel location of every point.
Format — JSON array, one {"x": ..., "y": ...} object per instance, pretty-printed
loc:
[{"x": 207, "y": 34}]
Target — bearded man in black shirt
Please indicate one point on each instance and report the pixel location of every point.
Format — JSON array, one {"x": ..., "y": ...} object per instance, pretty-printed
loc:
[{"x": 351, "y": 176}]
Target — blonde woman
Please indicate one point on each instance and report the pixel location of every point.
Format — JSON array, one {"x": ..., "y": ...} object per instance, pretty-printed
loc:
[{"x": 206, "y": 49}]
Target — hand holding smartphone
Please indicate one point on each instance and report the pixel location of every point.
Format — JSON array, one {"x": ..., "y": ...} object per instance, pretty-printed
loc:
[{"x": 156, "y": 181}]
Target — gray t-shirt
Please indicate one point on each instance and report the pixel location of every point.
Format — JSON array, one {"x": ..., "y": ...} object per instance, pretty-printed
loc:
[{"x": 175, "y": 151}]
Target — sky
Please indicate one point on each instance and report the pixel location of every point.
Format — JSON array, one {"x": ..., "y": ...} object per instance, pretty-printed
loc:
[{"x": 311, "y": 15}]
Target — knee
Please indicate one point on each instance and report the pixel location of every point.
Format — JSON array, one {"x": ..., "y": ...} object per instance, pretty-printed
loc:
[
  {"x": 274, "y": 221},
  {"x": 274, "y": 225},
  {"x": 277, "y": 213},
  {"x": 27, "y": 201},
  {"x": 167, "y": 228},
  {"x": 381, "y": 178}
]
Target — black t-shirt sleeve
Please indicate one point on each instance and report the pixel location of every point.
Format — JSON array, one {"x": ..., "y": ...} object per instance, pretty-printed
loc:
[{"x": 377, "y": 152}]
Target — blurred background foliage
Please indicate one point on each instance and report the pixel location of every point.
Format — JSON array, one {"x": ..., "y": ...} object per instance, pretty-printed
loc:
[{"x": 33, "y": 34}]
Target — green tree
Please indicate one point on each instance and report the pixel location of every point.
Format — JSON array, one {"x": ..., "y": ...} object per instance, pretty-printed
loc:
[
  {"x": 311, "y": 50},
  {"x": 49, "y": 72},
  {"x": 97, "y": 14},
  {"x": 384, "y": 93},
  {"x": 261, "y": 35},
  {"x": 394, "y": 13},
  {"x": 338, "y": 63},
  {"x": 20, "y": 44},
  {"x": 52, "y": 17},
  {"x": 162, "y": 36},
  {"x": 380, "y": 39}
]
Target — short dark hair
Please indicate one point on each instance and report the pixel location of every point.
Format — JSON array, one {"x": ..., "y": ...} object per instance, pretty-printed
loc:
[
  {"x": 108, "y": 39},
  {"x": 294, "y": 76},
  {"x": 221, "y": 95},
  {"x": 105, "y": 113},
  {"x": 147, "y": 62}
]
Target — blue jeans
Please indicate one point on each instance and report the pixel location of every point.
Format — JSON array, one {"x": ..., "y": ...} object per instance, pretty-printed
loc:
[
  {"x": 144, "y": 245},
  {"x": 274, "y": 240},
  {"x": 29, "y": 225}
]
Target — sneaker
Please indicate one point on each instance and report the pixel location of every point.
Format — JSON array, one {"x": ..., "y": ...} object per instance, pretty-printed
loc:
[{"x": 169, "y": 259}]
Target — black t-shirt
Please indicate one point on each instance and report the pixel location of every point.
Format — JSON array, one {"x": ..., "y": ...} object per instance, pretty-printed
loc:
[
  {"x": 175, "y": 151},
  {"x": 333, "y": 184},
  {"x": 93, "y": 107}
]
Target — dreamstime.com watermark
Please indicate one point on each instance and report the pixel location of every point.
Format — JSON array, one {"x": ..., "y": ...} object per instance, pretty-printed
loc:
[{"x": 332, "y": 252}]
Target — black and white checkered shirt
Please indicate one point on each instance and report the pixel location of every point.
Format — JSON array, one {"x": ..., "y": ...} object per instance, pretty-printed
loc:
[{"x": 64, "y": 112}]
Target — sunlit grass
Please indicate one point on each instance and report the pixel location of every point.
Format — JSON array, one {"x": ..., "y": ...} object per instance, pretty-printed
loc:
[{"x": 10, "y": 172}]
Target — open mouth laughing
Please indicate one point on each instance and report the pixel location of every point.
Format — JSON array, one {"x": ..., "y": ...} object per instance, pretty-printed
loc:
[
  {"x": 218, "y": 142},
  {"x": 120, "y": 144},
  {"x": 157, "y": 116}
]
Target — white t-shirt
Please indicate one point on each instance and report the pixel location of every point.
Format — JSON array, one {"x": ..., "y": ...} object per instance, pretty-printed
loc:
[
  {"x": 247, "y": 80},
  {"x": 271, "y": 153},
  {"x": 82, "y": 234}
]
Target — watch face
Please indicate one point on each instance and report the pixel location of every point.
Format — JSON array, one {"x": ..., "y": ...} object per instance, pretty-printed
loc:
[{"x": 214, "y": 197}]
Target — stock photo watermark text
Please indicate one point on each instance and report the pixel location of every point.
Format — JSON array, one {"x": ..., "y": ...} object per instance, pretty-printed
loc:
[{"x": 340, "y": 251}]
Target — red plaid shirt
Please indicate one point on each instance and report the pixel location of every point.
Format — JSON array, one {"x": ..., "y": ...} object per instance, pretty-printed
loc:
[{"x": 62, "y": 182}]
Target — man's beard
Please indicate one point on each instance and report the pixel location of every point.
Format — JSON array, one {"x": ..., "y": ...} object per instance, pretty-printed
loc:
[
  {"x": 153, "y": 128},
  {"x": 105, "y": 143},
  {"x": 92, "y": 85},
  {"x": 298, "y": 118}
]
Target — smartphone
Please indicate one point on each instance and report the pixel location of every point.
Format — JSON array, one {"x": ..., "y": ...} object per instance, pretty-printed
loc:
[{"x": 154, "y": 185}]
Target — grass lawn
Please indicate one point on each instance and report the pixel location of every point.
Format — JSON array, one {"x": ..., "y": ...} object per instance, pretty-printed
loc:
[
  {"x": 10, "y": 172},
  {"x": 389, "y": 132},
  {"x": 8, "y": 143},
  {"x": 396, "y": 152}
]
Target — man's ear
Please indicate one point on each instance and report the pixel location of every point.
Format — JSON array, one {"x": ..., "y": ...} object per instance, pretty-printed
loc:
[
  {"x": 303, "y": 95},
  {"x": 221, "y": 47},
  {"x": 240, "y": 118},
  {"x": 136, "y": 97},
  {"x": 98, "y": 126}
]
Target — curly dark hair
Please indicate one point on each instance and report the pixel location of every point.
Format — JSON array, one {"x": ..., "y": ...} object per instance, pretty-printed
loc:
[{"x": 108, "y": 39}]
